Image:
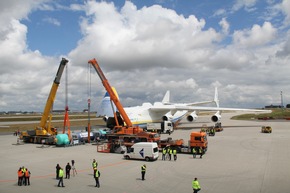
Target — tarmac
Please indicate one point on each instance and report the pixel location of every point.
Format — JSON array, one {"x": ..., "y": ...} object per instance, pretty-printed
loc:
[{"x": 239, "y": 159}]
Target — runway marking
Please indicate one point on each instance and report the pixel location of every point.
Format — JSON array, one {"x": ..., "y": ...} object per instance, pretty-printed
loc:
[{"x": 79, "y": 171}]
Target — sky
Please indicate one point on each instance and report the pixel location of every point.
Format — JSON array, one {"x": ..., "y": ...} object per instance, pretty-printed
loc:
[{"x": 145, "y": 48}]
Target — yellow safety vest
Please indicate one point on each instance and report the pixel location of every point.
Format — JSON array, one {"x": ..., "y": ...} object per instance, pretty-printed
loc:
[
  {"x": 60, "y": 174},
  {"x": 164, "y": 151},
  {"x": 97, "y": 173},
  {"x": 195, "y": 185},
  {"x": 143, "y": 168},
  {"x": 94, "y": 164},
  {"x": 174, "y": 152}
]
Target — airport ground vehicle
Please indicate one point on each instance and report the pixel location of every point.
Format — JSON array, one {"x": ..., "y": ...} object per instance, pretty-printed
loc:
[
  {"x": 266, "y": 129},
  {"x": 143, "y": 150},
  {"x": 165, "y": 127},
  {"x": 211, "y": 130},
  {"x": 197, "y": 140},
  {"x": 123, "y": 124},
  {"x": 44, "y": 133},
  {"x": 218, "y": 127}
]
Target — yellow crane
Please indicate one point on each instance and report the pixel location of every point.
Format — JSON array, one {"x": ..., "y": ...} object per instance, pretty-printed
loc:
[{"x": 44, "y": 132}]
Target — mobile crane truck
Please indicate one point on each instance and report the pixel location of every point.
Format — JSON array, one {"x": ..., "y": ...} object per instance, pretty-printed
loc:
[
  {"x": 122, "y": 135},
  {"x": 197, "y": 140},
  {"x": 44, "y": 132}
]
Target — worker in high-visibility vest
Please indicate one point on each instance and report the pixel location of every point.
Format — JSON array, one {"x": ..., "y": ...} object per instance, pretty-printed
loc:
[
  {"x": 169, "y": 153},
  {"x": 195, "y": 185},
  {"x": 20, "y": 176},
  {"x": 94, "y": 165},
  {"x": 200, "y": 151},
  {"x": 23, "y": 172},
  {"x": 193, "y": 152},
  {"x": 96, "y": 176},
  {"x": 27, "y": 177},
  {"x": 163, "y": 153},
  {"x": 143, "y": 171},
  {"x": 60, "y": 176},
  {"x": 175, "y": 154}
]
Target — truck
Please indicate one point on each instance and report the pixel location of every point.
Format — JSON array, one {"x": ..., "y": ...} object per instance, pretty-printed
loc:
[
  {"x": 125, "y": 128},
  {"x": 143, "y": 150},
  {"x": 44, "y": 133},
  {"x": 197, "y": 140},
  {"x": 165, "y": 127},
  {"x": 266, "y": 129},
  {"x": 218, "y": 127}
]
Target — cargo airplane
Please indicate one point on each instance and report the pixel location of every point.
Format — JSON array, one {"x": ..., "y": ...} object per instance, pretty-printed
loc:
[{"x": 163, "y": 111}]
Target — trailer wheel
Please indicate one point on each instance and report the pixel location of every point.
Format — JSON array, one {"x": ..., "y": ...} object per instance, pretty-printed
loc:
[
  {"x": 147, "y": 159},
  {"x": 127, "y": 157}
]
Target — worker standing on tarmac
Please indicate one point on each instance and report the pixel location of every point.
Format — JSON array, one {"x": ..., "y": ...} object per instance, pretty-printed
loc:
[
  {"x": 143, "y": 171},
  {"x": 169, "y": 153},
  {"x": 74, "y": 170},
  {"x": 23, "y": 178},
  {"x": 195, "y": 185},
  {"x": 57, "y": 170},
  {"x": 163, "y": 153},
  {"x": 67, "y": 170},
  {"x": 94, "y": 165},
  {"x": 27, "y": 177},
  {"x": 20, "y": 176},
  {"x": 175, "y": 154},
  {"x": 60, "y": 176},
  {"x": 193, "y": 152},
  {"x": 200, "y": 151},
  {"x": 96, "y": 176}
]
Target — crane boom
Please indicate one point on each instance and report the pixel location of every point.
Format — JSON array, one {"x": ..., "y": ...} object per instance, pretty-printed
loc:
[
  {"x": 128, "y": 133},
  {"x": 44, "y": 133},
  {"x": 109, "y": 89},
  {"x": 52, "y": 94}
]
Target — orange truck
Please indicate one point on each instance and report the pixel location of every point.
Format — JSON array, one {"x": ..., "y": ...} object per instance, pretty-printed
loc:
[{"x": 197, "y": 140}]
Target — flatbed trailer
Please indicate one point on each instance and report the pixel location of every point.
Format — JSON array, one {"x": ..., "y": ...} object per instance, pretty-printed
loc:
[{"x": 197, "y": 140}]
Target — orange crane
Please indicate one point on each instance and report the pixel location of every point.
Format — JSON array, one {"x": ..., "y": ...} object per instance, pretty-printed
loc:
[
  {"x": 122, "y": 135},
  {"x": 128, "y": 128}
]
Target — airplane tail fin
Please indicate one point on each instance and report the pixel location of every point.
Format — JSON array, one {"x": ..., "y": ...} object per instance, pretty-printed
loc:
[
  {"x": 216, "y": 99},
  {"x": 166, "y": 98},
  {"x": 106, "y": 108}
]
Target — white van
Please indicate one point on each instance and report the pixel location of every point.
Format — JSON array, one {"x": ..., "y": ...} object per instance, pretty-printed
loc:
[{"x": 143, "y": 150}]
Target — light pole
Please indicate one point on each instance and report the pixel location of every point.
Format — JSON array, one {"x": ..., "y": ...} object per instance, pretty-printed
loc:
[{"x": 281, "y": 99}]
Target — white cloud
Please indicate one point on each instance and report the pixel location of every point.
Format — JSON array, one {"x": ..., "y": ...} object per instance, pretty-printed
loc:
[
  {"x": 285, "y": 7},
  {"x": 219, "y": 12},
  {"x": 246, "y": 4},
  {"x": 225, "y": 25},
  {"x": 51, "y": 20},
  {"x": 256, "y": 36},
  {"x": 132, "y": 34}
]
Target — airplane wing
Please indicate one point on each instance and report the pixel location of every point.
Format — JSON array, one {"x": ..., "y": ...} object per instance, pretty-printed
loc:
[
  {"x": 221, "y": 109},
  {"x": 167, "y": 108}
]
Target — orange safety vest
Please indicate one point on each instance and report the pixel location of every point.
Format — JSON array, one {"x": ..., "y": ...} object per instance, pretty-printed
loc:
[
  {"x": 20, "y": 174},
  {"x": 27, "y": 173}
]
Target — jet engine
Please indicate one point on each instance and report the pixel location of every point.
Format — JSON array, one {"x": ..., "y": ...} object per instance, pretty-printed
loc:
[
  {"x": 216, "y": 117},
  {"x": 111, "y": 121},
  {"x": 105, "y": 118},
  {"x": 192, "y": 117},
  {"x": 167, "y": 116}
]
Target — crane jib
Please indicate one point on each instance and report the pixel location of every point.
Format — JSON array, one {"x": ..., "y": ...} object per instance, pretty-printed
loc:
[{"x": 60, "y": 70}]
